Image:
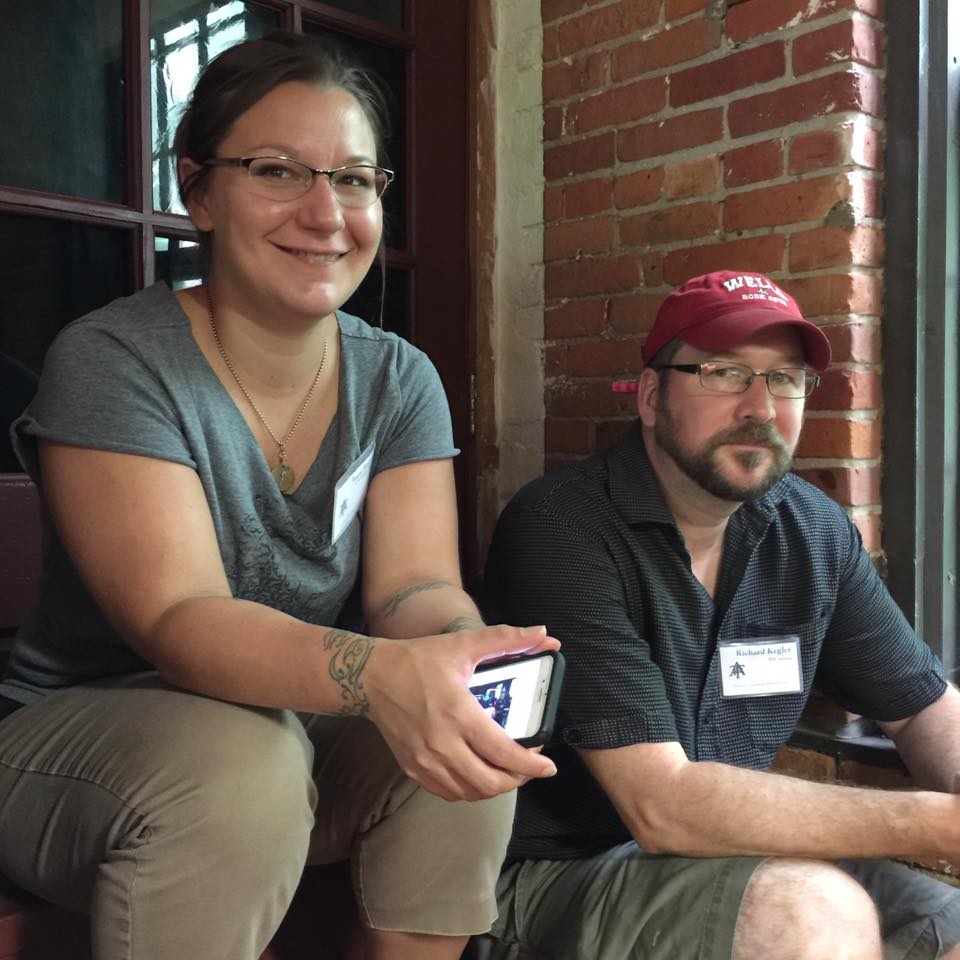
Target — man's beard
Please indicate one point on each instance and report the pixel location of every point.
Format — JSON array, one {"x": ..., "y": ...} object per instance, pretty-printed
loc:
[{"x": 704, "y": 468}]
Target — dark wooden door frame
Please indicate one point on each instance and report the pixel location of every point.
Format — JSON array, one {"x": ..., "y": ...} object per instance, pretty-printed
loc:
[{"x": 437, "y": 176}]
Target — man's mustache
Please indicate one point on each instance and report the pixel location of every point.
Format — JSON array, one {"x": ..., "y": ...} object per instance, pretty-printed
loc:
[{"x": 762, "y": 434}]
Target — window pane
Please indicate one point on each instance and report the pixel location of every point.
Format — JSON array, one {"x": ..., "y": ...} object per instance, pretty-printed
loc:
[
  {"x": 365, "y": 303},
  {"x": 178, "y": 262},
  {"x": 389, "y": 66},
  {"x": 385, "y": 11},
  {"x": 52, "y": 272},
  {"x": 61, "y": 98},
  {"x": 185, "y": 35}
]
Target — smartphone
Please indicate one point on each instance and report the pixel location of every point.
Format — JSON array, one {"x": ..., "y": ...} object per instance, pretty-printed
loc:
[{"x": 521, "y": 694}]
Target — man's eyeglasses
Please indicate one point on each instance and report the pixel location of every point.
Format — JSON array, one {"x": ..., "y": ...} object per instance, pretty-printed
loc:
[
  {"x": 722, "y": 376},
  {"x": 280, "y": 178}
]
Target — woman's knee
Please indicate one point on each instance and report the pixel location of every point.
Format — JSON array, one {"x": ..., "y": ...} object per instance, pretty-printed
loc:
[
  {"x": 172, "y": 756},
  {"x": 432, "y": 866},
  {"x": 243, "y": 782},
  {"x": 141, "y": 773},
  {"x": 401, "y": 838}
]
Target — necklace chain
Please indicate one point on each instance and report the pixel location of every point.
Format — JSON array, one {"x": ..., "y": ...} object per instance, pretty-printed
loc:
[{"x": 283, "y": 473}]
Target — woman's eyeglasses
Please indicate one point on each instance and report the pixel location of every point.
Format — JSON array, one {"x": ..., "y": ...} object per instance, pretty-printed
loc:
[{"x": 280, "y": 178}]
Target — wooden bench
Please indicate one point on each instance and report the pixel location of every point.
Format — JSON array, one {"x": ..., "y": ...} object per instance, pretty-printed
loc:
[{"x": 323, "y": 910}]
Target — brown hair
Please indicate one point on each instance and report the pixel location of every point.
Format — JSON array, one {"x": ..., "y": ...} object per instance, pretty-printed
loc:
[{"x": 665, "y": 354}]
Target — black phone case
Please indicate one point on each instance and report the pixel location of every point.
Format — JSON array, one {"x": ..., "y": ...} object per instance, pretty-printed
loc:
[{"x": 553, "y": 699}]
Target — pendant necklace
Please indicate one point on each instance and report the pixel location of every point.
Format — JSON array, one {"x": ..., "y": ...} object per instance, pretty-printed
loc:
[{"x": 282, "y": 472}]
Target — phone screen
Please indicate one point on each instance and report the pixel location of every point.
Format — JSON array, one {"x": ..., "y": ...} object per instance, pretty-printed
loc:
[{"x": 514, "y": 694}]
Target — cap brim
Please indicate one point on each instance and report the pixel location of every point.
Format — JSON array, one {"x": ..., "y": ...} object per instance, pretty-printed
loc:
[{"x": 733, "y": 328}]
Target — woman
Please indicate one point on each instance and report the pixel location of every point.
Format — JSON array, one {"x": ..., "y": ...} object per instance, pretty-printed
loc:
[{"x": 207, "y": 458}]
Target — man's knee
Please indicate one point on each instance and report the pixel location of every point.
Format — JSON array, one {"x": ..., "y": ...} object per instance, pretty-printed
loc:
[{"x": 806, "y": 910}]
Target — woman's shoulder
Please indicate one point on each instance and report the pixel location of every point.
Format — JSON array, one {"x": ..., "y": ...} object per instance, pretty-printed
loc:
[
  {"x": 128, "y": 331},
  {"x": 371, "y": 348},
  {"x": 154, "y": 305},
  {"x": 132, "y": 318},
  {"x": 353, "y": 327}
]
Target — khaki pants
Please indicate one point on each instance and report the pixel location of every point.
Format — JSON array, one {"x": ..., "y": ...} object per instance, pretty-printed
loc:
[{"x": 181, "y": 824}]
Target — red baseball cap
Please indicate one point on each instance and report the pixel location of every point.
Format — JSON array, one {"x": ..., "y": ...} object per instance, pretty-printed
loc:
[{"x": 719, "y": 310}]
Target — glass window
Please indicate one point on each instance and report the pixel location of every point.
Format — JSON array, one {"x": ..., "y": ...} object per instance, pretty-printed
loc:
[
  {"x": 61, "y": 96},
  {"x": 178, "y": 262},
  {"x": 921, "y": 440},
  {"x": 389, "y": 66},
  {"x": 389, "y": 12},
  {"x": 184, "y": 38},
  {"x": 366, "y": 302},
  {"x": 52, "y": 272}
]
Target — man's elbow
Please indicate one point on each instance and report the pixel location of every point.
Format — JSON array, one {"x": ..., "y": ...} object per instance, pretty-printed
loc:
[{"x": 656, "y": 831}]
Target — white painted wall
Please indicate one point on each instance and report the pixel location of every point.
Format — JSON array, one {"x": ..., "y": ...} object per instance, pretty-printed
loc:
[{"x": 518, "y": 271}]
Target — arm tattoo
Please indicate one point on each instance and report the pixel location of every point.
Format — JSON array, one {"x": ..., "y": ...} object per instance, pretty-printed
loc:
[
  {"x": 463, "y": 623},
  {"x": 350, "y": 652},
  {"x": 391, "y": 605}
]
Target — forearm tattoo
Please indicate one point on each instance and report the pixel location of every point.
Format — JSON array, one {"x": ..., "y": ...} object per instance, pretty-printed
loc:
[
  {"x": 349, "y": 655},
  {"x": 390, "y": 607},
  {"x": 463, "y": 623}
]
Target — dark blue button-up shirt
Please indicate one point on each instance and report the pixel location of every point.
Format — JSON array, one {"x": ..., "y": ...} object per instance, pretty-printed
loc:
[{"x": 593, "y": 552}]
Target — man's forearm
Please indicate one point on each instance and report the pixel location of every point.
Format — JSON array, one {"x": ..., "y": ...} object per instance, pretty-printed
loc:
[{"x": 711, "y": 809}]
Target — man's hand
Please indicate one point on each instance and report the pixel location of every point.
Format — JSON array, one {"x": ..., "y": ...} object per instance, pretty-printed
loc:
[{"x": 439, "y": 734}]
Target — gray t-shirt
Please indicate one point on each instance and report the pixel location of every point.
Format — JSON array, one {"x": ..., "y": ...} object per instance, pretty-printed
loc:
[{"x": 130, "y": 378}]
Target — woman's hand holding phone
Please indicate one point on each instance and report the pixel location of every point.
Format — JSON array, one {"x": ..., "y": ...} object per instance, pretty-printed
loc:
[
  {"x": 441, "y": 736},
  {"x": 521, "y": 694}
]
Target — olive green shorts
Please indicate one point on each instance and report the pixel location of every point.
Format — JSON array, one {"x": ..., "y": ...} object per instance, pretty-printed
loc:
[{"x": 628, "y": 905}]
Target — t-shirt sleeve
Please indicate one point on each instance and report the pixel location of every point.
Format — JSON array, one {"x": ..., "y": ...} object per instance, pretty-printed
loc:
[
  {"x": 872, "y": 661},
  {"x": 96, "y": 391},
  {"x": 420, "y": 428},
  {"x": 544, "y": 570}
]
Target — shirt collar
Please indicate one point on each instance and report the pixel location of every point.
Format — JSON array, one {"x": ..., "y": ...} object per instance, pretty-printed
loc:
[{"x": 634, "y": 488}]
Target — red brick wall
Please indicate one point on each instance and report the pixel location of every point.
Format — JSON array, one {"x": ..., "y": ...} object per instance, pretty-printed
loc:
[{"x": 682, "y": 136}]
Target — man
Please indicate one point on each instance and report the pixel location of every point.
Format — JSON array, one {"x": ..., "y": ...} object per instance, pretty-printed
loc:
[{"x": 699, "y": 590}]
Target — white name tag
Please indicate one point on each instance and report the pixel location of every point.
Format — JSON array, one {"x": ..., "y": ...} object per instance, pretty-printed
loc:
[
  {"x": 350, "y": 490},
  {"x": 760, "y": 667}
]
